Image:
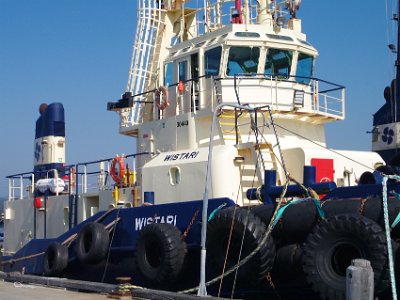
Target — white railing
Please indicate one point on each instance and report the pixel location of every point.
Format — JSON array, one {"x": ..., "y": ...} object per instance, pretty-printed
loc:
[
  {"x": 20, "y": 186},
  {"x": 320, "y": 97}
]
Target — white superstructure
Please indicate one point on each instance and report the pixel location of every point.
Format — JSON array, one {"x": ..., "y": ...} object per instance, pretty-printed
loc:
[{"x": 231, "y": 52}]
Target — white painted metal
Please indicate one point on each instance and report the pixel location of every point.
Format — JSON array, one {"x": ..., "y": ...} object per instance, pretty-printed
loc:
[{"x": 52, "y": 150}]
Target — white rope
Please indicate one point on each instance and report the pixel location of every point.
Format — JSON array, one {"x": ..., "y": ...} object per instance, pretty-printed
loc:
[{"x": 387, "y": 230}]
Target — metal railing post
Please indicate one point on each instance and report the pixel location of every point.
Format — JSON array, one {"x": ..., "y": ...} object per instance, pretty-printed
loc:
[
  {"x": 84, "y": 179},
  {"x": 21, "y": 188}
]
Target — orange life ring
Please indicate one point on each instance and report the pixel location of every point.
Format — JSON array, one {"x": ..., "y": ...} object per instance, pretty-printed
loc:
[
  {"x": 72, "y": 176},
  {"x": 165, "y": 99},
  {"x": 118, "y": 175}
]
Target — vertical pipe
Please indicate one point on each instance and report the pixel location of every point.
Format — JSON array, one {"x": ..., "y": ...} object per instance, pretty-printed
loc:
[
  {"x": 84, "y": 180},
  {"x": 397, "y": 86},
  {"x": 46, "y": 194},
  {"x": 202, "y": 291},
  {"x": 309, "y": 175},
  {"x": 69, "y": 200},
  {"x": 9, "y": 189},
  {"x": 34, "y": 223},
  {"x": 21, "y": 189},
  {"x": 76, "y": 197},
  {"x": 205, "y": 16}
]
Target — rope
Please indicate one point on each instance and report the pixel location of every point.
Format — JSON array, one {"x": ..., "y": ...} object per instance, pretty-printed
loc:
[
  {"x": 68, "y": 241},
  {"x": 250, "y": 256},
  {"x": 227, "y": 251},
  {"x": 326, "y": 148},
  {"x": 317, "y": 204},
  {"x": 215, "y": 211},
  {"x": 186, "y": 232},
  {"x": 240, "y": 253},
  {"x": 277, "y": 142},
  {"x": 387, "y": 230},
  {"x": 109, "y": 247}
]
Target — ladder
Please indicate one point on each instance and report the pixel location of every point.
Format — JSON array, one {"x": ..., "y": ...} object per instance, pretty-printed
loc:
[
  {"x": 145, "y": 56},
  {"x": 229, "y": 129}
]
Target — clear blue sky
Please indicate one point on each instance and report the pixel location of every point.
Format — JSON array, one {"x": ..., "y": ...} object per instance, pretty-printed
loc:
[{"x": 78, "y": 52}]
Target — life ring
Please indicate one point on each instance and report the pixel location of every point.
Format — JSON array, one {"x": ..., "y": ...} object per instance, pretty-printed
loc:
[
  {"x": 92, "y": 243},
  {"x": 165, "y": 99},
  {"x": 72, "y": 177},
  {"x": 117, "y": 175},
  {"x": 160, "y": 253},
  {"x": 55, "y": 259}
]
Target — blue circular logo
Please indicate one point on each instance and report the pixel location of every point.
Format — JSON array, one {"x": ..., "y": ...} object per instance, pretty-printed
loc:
[{"x": 387, "y": 136}]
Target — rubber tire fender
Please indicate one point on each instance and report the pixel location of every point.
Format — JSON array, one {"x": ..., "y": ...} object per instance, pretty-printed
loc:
[
  {"x": 332, "y": 245},
  {"x": 55, "y": 259},
  {"x": 160, "y": 253},
  {"x": 247, "y": 225},
  {"x": 92, "y": 243}
]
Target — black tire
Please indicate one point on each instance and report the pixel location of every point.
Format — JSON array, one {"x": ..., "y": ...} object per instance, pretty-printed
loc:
[
  {"x": 288, "y": 261},
  {"x": 160, "y": 253},
  {"x": 55, "y": 259},
  {"x": 254, "y": 229},
  {"x": 92, "y": 243},
  {"x": 383, "y": 289},
  {"x": 332, "y": 245}
]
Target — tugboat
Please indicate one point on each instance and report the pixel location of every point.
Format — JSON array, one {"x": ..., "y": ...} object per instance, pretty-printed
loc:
[
  {"x": 385, "y": 133},
  {"x": 231, "y": 182}
]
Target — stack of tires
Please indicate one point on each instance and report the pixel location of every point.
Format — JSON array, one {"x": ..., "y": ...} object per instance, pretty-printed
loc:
[
  {"x": 239, "y": 248},
  {"x": 91, "y": 247},
  {"x": 317, "y": 251}
]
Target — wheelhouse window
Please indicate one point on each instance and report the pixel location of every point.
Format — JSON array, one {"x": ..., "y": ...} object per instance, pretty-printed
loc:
[
  {"x": 278, "y": 63},
  {"x": 182, "y": 71},
  {"x": 168, "y": 74},
  {"x": 212, "y": 61},
  {"x": 304, "y": 68},
  {"x": 242, "y": 60}
]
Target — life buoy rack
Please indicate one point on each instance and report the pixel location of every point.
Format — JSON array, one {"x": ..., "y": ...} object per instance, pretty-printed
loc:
[
  {"x": 119, "y": 174},
  {"x": 161, "y": 102}
]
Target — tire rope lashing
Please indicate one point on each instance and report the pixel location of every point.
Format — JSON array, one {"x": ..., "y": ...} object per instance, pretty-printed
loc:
[
  {"x": 66, "y": 242},
  {"x": 256, "y": 132},
  {"x": 270, "y": 226},
  {"x": 232, "y": 224},
  {"x": 250, "y": 256},
  {"x": 387, "y": 230},
  {"x": 109, "y": 247}
]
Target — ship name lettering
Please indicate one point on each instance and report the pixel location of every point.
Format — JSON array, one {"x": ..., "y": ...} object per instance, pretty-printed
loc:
[
  {"x": 141, "y": 222},
  {"x": 179, "y": 156}
]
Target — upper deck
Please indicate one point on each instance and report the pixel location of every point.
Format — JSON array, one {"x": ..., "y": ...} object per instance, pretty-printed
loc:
[{"x": 253, "y": 64}]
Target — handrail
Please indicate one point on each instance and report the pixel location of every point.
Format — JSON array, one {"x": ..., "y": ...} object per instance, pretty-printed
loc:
[
  {"x": 272, "y": 75},
  {"x": 85, "y": 164}
]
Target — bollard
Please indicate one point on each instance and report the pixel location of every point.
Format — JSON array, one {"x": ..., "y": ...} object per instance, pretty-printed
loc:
[{"x": 360, "y": 280}]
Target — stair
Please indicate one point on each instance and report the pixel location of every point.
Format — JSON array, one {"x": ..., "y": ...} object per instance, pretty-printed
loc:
[
  {"x": 254, "y": 165},
  {"x": 228, "y": 128}
]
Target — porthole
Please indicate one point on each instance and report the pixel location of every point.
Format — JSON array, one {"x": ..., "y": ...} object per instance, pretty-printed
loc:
[{"x": 174, "y": 176}]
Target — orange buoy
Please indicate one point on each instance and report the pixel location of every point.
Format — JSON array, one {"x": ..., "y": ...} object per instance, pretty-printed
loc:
[{"x": 117, "y": 169}]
